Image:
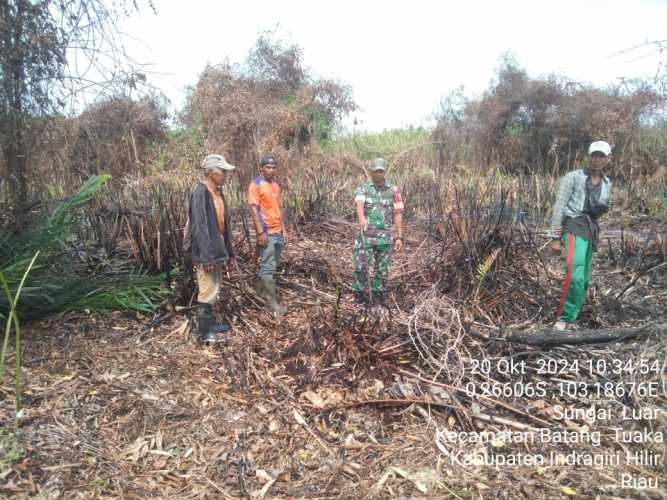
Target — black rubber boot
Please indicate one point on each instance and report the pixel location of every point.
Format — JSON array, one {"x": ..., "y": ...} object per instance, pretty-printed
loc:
[
  {"x": 359, "y": 297},
  {"x": 222, "y": 327},
  {"x": 206, "y": 324},
  {"x": 271, "y": 296}
]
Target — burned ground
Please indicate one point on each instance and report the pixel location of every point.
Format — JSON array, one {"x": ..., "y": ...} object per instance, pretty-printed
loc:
[{"x": 333, "y": 401}]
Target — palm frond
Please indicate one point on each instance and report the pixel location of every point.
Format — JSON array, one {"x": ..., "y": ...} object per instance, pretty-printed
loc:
[
  {"x": 484, "y": 267},
  {"x": 134, "y": 291},
  {"x": 483, "y": 270}
]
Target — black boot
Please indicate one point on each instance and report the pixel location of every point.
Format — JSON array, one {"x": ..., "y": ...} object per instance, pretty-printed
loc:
[
  {"x": 359, "y": 297},
  {"x": 222, "y": 327},
  {"x": 206, "y": 324},
  {"x": 379, "y": 299}
]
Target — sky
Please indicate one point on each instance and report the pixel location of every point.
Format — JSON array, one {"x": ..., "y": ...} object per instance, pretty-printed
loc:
[{"x": 401, "y": 58}]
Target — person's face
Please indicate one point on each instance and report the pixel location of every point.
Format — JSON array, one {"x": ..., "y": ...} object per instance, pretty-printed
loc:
[
  {"x": 378, "y": 177},
  {"x": 217, "y": 176},
  {"x": 598, "y": 161},
  {"x": 268, "y": 171}
]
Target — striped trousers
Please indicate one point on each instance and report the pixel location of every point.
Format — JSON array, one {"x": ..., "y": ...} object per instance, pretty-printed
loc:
[{"x": 578, "y": 269}]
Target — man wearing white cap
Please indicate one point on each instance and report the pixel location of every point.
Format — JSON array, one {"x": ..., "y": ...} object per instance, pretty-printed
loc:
[
  {"x": 583, "y": 197},
  {"x": 211, "y": 241}
]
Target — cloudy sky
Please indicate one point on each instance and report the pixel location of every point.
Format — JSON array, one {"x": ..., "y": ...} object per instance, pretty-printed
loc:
[{"x": 401, "y": 57}]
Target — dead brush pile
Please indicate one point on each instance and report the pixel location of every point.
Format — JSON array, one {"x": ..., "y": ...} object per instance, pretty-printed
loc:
[
  {"x": 328, "y": 362},
  {"x": 269, "y": 103},
  {"x": 113, "y": 136},
  {"x": 509, "y": 125},
  {"x": 481, "y": 271},
  {"x": 332, "y": 399}
]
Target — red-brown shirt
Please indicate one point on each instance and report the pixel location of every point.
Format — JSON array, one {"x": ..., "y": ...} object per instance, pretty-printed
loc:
[{"x": 218, "y": 203}]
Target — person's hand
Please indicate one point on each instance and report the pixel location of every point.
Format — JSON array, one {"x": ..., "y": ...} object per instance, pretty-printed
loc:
[
  {"x": 285, "y": 237},
  {"x": 363, "y": 224},
  {"x": 208, "y": 268},
  {"x": 398, "y": 245},
  {"x": 262, "y": 239},
  {"x": 556, "y": 247}
]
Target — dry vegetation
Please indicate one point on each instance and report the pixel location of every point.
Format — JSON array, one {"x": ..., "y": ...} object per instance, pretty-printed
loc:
[
  {"x": 332, "y": 400},
  {"x": 328, "y": 401}
]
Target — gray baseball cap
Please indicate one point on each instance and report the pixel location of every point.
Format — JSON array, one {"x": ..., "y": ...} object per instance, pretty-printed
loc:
[
  {"x": 378, "y": 164},
  {"x": 216, "y": 161}
]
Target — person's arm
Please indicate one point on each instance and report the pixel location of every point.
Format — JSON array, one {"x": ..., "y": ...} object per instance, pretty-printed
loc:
[
  {"x": 227, "y": 236},
  {"x": 556, "y": 226},
  {"x": 253, "y": 203},
  {"x": 564, "y": 193},
  {"x": 262, "y": 238},
  {"x": 199, "y": 230},
  {"x": 360, "y": 201},
  {"x": 361, "y": 217},
  {"x": 398, "y": 219}
]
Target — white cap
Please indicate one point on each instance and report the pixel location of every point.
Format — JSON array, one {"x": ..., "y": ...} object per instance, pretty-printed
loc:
[
  {"x": 216, "y": 161},
  {"x": 599, "y": 147}
]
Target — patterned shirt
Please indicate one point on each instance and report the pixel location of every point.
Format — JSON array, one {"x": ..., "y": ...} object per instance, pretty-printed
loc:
[
  {"x": 380, "y": 205},
  {"x": 571, "y": 199}
]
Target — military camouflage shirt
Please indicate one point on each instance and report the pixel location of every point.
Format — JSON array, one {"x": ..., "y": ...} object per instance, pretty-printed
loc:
[{"x": 380, "y": 205}]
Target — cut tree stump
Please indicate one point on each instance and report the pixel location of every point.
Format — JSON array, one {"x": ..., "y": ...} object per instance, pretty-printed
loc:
[{"x": 574, "y": 337}]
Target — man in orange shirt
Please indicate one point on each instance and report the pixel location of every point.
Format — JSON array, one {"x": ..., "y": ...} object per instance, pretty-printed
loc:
[{"x": 264, "y": 200}]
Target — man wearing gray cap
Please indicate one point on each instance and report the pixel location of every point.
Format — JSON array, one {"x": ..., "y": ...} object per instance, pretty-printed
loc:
[
  {"x": 211, "y": 241},
  {"x": 379, "y": 206}
]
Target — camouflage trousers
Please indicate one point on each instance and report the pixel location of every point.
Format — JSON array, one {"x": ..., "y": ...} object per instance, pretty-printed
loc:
[{"x": 375, "y": 251}]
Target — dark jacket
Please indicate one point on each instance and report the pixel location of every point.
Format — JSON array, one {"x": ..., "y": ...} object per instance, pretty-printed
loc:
[{"x": 207, "y": 245}]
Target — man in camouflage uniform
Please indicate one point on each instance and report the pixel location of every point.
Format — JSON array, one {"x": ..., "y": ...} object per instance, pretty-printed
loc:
[{"x": 379, "y": 205}]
